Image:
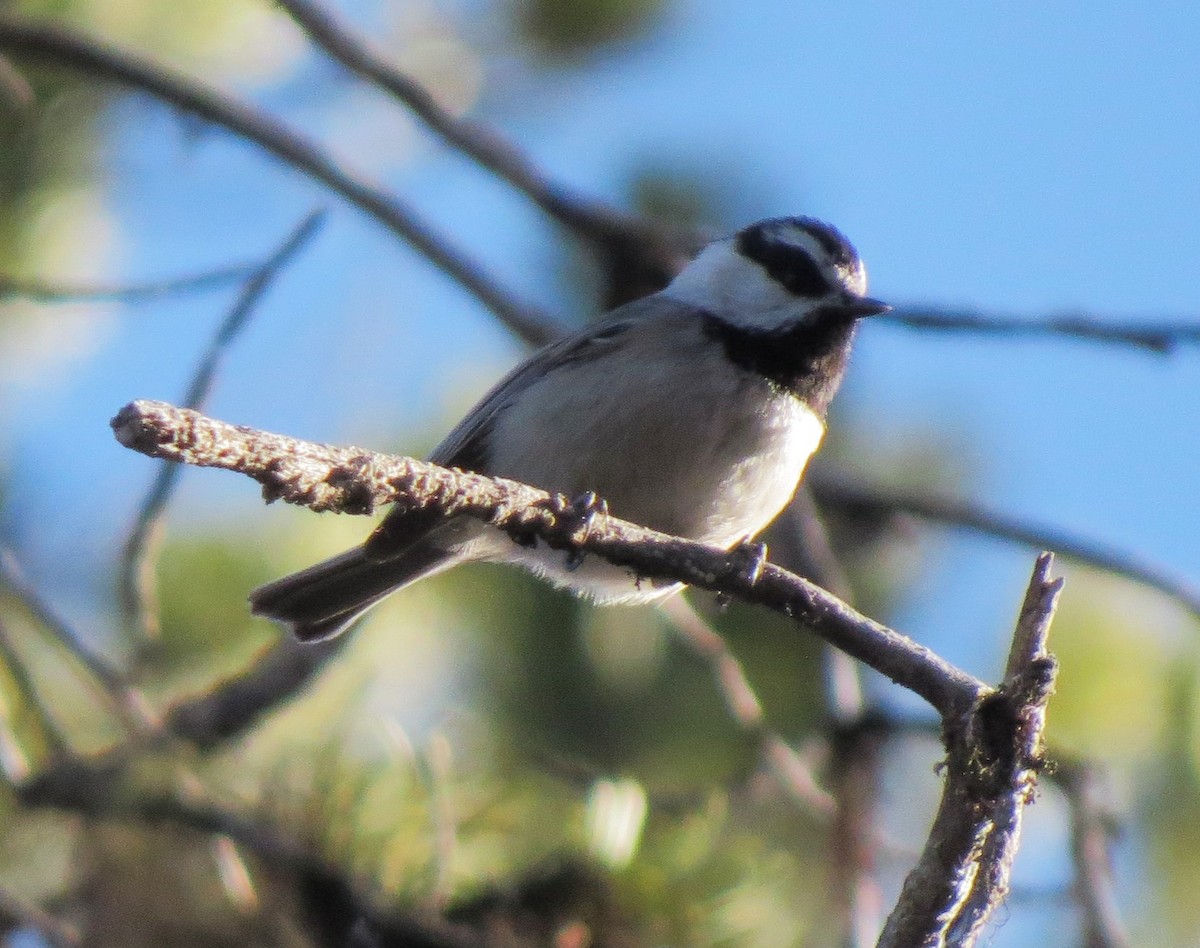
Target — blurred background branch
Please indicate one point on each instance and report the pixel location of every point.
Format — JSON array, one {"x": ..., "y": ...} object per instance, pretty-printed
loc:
[
  {"x": 1161, "y": 338},
  {"x": 73, "y": 50},
  {"x": 843, "y": 492},
  {"x": 137, "y": 581},
  {"x": 147, "y": 291}
]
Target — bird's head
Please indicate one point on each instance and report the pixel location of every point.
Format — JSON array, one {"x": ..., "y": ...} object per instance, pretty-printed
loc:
[{"x": 777, "y": 273}]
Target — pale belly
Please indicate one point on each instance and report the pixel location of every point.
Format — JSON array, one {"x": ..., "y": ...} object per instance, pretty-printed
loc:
[{"x": 721, "y": 484}]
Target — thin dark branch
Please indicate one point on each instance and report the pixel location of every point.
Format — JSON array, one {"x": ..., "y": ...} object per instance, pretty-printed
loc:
[
  {"x": 854, "y": 763},
  {"x": 41, "y": 291},
  {"x": 639, "y": 255},
  {"x": 789, "y": 769},
  {"x": 355, "y": 481},
  {"x": 70, "y": 49},
  {"x": 480, "y": 143},
  {"x": 125, "y": 701},
  {"x": 30, "y": 695},
  {"x": 854, "y": 837},
  {"x": 1162, "y": 338},
  {"x": 801, "y": 544},
  {"x": 1092, "y": 827},
  {"x": 842, "y": 492},
  {"x": 207, "y": 721},
  {"x": 342, "y": 903},
  {"x": 236, "y": 704},
  {"x": 994, "y": 757},
  {"x": 136, "y": 586}
]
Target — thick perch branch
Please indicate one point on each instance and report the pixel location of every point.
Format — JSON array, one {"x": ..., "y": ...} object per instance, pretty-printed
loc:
[
  {"x": 993, "y": 736},
  {"x": 350, "y": 480}
]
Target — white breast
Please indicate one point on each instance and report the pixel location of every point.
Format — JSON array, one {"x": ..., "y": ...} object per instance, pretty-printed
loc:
[{"x": 677, "y": 439}]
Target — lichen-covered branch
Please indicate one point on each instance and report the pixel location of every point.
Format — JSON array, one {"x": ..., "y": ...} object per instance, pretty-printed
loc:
[
  {"x": 351, "y": 480},
  {"x": 994, "y": 754}
]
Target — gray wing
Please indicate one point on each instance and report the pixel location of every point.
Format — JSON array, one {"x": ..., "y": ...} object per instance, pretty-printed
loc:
[{"x": 466, "y": 445}]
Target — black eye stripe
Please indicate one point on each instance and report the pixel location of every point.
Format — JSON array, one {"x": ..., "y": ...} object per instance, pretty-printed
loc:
[{"x": 790, "y": 265}]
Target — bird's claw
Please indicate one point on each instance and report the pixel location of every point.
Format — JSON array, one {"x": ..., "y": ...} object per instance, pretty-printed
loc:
[
  {"x": 747, "y": 559},
  {"x": 578, "y": 519}
]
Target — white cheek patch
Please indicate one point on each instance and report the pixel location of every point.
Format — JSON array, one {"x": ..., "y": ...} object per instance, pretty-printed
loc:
[{"x": 721, "y": 281}]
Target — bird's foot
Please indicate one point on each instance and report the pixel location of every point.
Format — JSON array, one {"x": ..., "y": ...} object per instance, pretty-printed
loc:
[
  {"x": 577, "y": 519},
  {"x": 747, "y": 559}
]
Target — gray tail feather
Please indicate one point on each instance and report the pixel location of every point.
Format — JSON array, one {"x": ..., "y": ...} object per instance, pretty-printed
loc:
[{"x": 323, "y": 600}]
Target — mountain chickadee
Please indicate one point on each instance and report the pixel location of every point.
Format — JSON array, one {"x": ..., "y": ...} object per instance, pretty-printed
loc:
[{"x": 692, "y": 411}]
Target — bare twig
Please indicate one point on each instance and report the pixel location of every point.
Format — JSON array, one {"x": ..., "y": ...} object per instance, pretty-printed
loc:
[
  {"x": 1158, "y": 337},
  {"x": 854, "y": 837},
  {"x": 232, "y": 707},
  {"x": 354, "y": 481},
  {"x": 136, "y": 583},
  {"x": 842, "y": 492},
  {"x": 30, "y": 695},
  {"x": 473, "y": 139},
  {"x": 436, "y": 765},
  {"x": 994, "y": 755},
  {"x": 802, "y": 545},
  {"x": 70, "y": 49},
  {"x": 125, "y": 701},
  {"x": 1091, "y": 835},
  {"x": 41, "y": 291},
  {"x": 790, "y": 770},
  {"x": 645, "y": 253},
  {"x": 857, "y": 737}
]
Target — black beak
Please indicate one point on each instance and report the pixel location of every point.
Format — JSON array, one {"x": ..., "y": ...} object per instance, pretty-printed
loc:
[{"x": 860, "y": 306}]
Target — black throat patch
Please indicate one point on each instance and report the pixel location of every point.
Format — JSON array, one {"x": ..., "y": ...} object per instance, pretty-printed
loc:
[{"x": 807, "y": 359}]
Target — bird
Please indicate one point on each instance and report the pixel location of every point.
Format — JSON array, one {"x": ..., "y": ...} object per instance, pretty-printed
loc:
[{"x": 693, "y": 411}]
